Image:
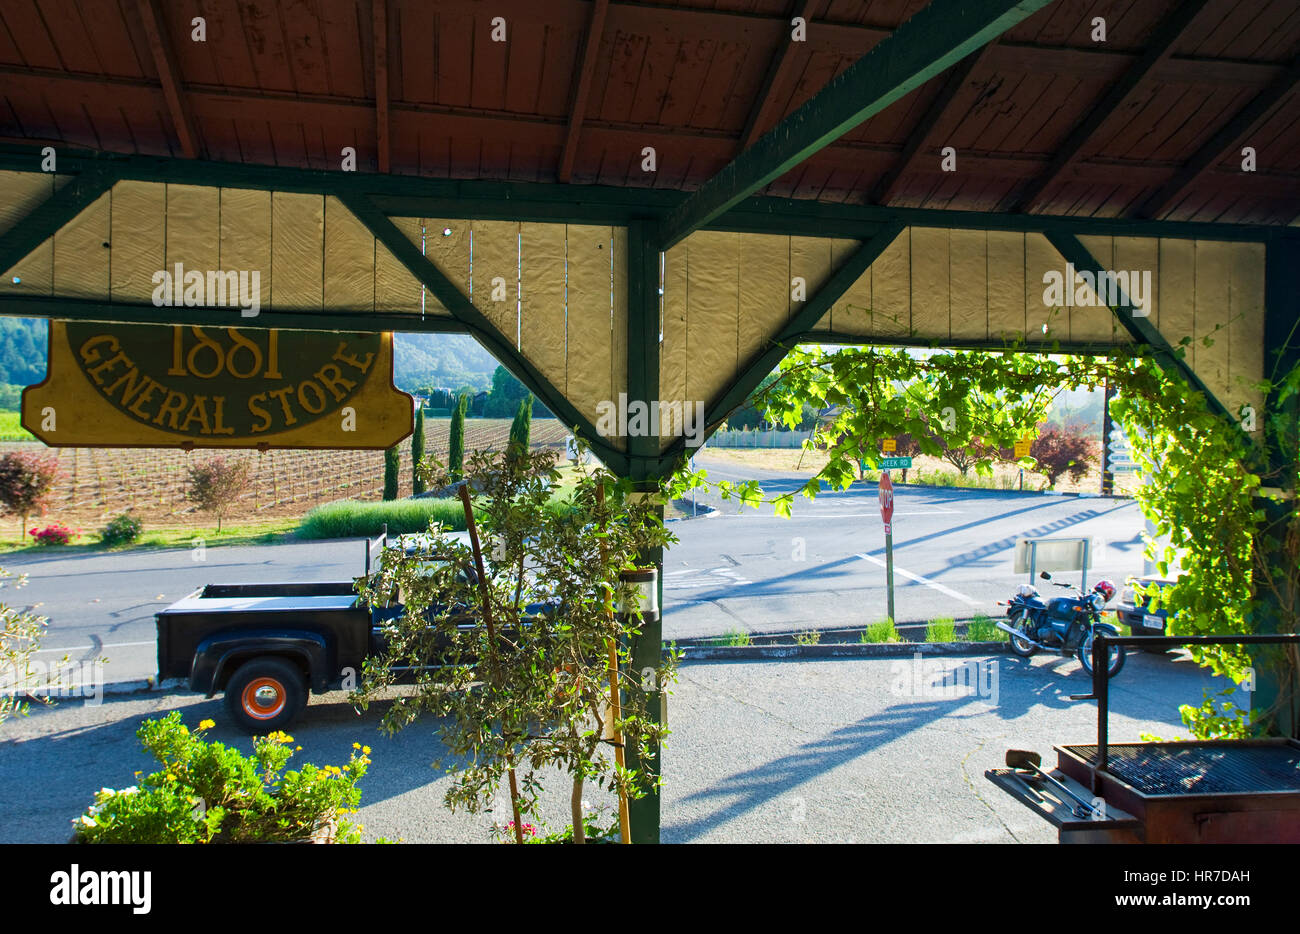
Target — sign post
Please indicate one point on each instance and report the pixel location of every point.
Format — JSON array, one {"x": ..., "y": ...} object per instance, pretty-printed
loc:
[{"x": 887, "y": 516}]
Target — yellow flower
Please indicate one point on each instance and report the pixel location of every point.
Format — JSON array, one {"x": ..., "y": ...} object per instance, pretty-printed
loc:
[
  {"x": 365, "y": 750},
  {"x": 297, "y": 749},
  {"x": 207, "y": 724},
  {"x": 356, "y": 745}
]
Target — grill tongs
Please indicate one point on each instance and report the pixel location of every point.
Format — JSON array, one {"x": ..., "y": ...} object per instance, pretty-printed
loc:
[{"x": 1026, "y": 760}]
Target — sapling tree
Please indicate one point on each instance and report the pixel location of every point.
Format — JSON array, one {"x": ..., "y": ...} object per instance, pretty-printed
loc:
[
  {"x": 20, "y": 638},
  {"x": 536, "y": 698},
  {"x": 216, "y": 483}
]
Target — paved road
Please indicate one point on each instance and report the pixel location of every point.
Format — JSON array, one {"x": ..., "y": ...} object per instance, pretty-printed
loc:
[
  {"x": 738, "y": 570},
  {"x": 832, "y": 750},
  {"x": 824, "y": 567}
]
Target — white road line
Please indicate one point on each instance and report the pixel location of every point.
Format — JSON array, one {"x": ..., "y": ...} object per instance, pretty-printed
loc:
[
  {"x": 923, "y": 580},
  {"x": 934, "y": 511},
  {"x": 85, "y": 648}
]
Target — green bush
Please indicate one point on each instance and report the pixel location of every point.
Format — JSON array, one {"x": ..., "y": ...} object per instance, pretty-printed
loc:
[
  {"x": 880, "y": 631},
  {"x": 209, "y": 793},
  {"x": 983, "y": 629},
  {"x": 352, "y": 519},
  {"x": 121, "y": 531},
  {"x": 942, "y": 629}
]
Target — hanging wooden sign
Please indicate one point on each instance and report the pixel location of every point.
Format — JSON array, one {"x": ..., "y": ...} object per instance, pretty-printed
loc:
[{"x": 146, "y": 385}]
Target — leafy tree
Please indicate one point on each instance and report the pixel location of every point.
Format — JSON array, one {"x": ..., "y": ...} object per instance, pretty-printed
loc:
[
  {"x": 456, "y": 443},
  {"x": 22, "y": 350},
  {"x": 753, "y": 412},
  {"x": 526, "y": 689},
  {"x": 11, "y": 397},
  {"x": 392, "y": 464},
  {"x": 26, "y": 481},
  {"x": 506, "y": 394},
  {"x": 1063, "y": 450},
  {"x": 20, "y": 639},
  {"x": 417, "y": 454},
  {"x": 216, "y": 483}
]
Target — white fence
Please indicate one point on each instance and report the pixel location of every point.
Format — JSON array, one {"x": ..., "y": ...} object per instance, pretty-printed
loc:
[{"x": 754, "y": 438}]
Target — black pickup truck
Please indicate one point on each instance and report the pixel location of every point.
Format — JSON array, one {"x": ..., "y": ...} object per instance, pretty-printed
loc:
[{"x": 268, "y": 645}]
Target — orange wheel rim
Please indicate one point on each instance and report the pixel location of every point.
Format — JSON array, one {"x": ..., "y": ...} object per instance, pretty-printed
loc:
[{"x": 263, "y": 698}]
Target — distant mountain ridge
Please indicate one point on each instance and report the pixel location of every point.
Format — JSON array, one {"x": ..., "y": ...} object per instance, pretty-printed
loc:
[{"x": 451, "y": 360}]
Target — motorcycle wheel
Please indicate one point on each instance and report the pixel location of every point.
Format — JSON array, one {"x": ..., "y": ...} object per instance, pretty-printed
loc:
[
  {"x": 1115, "y": 662},
  {"x": 1018, "y": 646}
]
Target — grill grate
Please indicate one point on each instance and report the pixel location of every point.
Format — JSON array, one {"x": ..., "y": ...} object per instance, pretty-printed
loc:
[{"x": 1156, "y": 769}]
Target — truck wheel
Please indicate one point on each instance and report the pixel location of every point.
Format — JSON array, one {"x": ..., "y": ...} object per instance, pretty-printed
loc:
[{"x": 265, "y": 695}]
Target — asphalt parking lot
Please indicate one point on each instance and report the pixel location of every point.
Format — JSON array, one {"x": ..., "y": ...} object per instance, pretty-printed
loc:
[{"x": 834, "y": 750}]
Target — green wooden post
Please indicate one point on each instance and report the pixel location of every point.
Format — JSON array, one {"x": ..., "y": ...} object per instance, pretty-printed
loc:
[
  {"x": 644, "y": 470},
  {"x": 1282, "y": 348}
]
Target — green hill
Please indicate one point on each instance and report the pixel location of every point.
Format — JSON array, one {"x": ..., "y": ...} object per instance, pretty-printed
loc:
[{"x": 419, "y": 359}]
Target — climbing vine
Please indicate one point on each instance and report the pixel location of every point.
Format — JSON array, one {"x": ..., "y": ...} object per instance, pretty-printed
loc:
[{"x": 1204, "y": 473}]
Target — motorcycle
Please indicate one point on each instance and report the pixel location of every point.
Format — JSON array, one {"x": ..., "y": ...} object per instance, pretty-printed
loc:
[{"x": 1061, "y": 624}]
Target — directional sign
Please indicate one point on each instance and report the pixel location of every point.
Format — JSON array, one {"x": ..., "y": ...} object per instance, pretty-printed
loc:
[
  {"x": 895, "y": 463},
  {"x": 145, "y": 385}
]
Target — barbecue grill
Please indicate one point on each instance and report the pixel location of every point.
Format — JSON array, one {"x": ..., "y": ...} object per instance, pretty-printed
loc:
[{"x": 1220, "y": 791}]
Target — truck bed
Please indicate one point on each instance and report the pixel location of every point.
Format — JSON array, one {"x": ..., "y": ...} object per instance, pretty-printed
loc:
[
  {"x": 286, "y": 589},
  {"x": 330, "y": 610}
]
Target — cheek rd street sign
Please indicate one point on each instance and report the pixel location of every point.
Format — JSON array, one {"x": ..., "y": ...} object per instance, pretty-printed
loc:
[{"x": 145, "y": 385}]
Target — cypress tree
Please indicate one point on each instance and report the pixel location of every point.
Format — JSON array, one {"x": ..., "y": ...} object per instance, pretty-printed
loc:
[
  {"x": 392, "y": 461},
  {"x": 417, "y": 453},
  {"x": 456, "y": 454},
  {"x": 526, "y": 426}
]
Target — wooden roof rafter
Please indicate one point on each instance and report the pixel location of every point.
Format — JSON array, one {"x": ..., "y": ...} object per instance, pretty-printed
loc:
[
  {"x": 1117, "y": 99},
  {"x": 164, "y": 59}
]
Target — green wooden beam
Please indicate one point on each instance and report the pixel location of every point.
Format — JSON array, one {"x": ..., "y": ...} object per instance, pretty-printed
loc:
[
  {"x": 477, "y": 324},
  {"x": 939, "y": 35},
  {"x": 411, "y": 196},
  {"x": 1140, "y": 328},
  {"x": 81, "y": 309},
  {"x": 53, "y": 213},
  {"x": 766, "y": 358}
]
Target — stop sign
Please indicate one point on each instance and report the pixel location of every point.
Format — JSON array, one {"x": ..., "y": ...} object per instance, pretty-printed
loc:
[{"x": 886, "y": 501}]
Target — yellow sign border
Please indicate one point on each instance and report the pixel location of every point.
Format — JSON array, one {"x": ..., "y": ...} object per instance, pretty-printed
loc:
[{"x": 384, "y": 415}]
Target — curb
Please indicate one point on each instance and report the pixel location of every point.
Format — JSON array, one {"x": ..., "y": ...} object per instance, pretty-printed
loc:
[
  {"x": 702, "y": 511},
  {"x": 110, "y": 689},
  {"x": 842, "y": 650}
]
